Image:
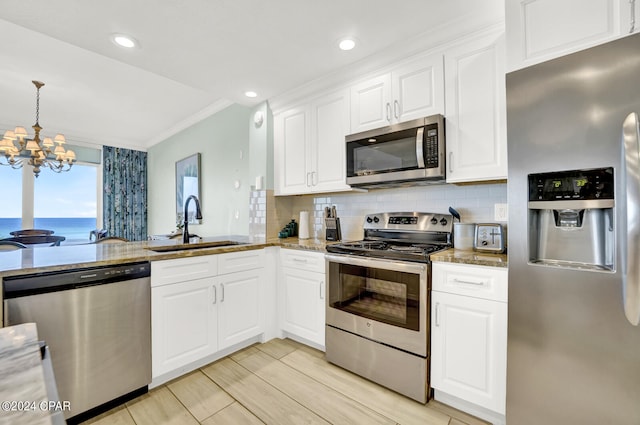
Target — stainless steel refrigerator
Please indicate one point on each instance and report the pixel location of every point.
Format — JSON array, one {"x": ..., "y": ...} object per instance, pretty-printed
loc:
[{"x": 574, "y": 239}]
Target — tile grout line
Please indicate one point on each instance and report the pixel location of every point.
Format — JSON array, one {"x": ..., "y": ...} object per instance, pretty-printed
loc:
[
  {"x": 181, "y": 403},
  {"x": 275, "y": 388}
]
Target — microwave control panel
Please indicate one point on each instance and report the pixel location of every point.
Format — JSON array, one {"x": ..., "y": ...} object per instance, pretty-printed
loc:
[
  {"x": 572, "y": 185},
  {"x": 431, "y": 147}
]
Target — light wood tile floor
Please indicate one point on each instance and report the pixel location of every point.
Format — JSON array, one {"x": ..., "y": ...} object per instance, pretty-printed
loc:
[{"x": 280, "y": 382}]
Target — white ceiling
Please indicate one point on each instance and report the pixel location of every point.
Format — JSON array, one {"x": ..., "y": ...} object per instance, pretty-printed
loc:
[{"x": 195, "y": 56}]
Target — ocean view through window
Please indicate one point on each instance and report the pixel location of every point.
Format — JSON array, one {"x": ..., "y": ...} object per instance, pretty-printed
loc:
[
  {"x": 65, "y": 203},
  {"x": 11, "y": 209}
]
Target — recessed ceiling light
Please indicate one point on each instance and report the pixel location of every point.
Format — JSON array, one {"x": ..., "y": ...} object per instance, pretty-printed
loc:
[
  {"x": 124, "y": 40},
  {"x": 347, "y": 43},
  {"x": 251, "y": 94}
]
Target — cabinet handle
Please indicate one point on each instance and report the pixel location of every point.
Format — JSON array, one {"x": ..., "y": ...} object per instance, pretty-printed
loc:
[
  {"x": 469, "y": 282},
  {"x": 321, "y": 294},
  {"x": 451, "y": 162},
  {"x": 396, "y": 109},
  {"x": 300, "y": 260},
  {"x": 308, "y": 175},
  {"x": 314, "y": 180},
  {"x": 438, "y": 314},
  {"x": 222, "y": 292},
  {"x": 215, "y": 294},
  {"x": 388, "y": 112},
  {"x": 632, "y": 23}
]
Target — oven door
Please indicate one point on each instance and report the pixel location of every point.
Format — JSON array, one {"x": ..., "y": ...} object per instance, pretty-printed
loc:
[{"x": 385, "y": 301}]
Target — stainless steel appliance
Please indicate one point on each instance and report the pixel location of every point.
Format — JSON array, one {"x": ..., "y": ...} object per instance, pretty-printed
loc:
[
  {"x": 488, "y": 237},
  {"x": 574, "y": 239},
  {"x": 378, "y": 299},
  {"x": 408, "y": 153},
  {"x": 97, "y": 325}
]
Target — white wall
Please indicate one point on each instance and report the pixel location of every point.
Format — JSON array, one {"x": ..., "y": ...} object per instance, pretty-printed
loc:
[{"x": 223, "y": 141}]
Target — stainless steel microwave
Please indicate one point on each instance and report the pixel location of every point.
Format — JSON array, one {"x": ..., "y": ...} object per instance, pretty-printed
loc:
[{"x": 409, "y": 153}]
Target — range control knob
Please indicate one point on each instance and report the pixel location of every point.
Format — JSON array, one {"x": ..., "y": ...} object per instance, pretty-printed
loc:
[
  {"x": 376, "y": 220},
  {"x": 369, "y": 220},
  {"x": 434, "y": 220},
  {"x": 443, "y": 221}
]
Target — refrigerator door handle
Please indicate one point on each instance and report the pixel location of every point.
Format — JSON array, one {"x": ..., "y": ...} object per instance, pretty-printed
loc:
[{"x": 631, "y": 182}]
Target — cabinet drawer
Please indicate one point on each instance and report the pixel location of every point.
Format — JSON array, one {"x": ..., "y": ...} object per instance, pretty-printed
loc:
[
  {"x": 183, "y": 269},
  {"x": 303, "y": 260},
  {"x": 240, "y": 261},
  {"x": 475, "y": 281}
]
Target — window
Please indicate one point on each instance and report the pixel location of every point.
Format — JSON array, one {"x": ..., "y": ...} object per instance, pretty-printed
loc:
[
  {"x": 11, "y": 207},
  {"x": 66, "y": 203}
]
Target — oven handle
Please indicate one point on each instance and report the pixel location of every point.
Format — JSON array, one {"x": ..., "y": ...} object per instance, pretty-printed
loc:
[{"x": 403, "y": 266}]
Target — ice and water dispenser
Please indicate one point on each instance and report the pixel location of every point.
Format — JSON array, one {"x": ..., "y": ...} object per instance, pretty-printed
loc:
[{"x": 571, "y": 219}]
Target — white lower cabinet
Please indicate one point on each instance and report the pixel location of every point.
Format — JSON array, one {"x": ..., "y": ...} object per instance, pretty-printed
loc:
[
  {"x": 239, "y": 307},
  {"x": 469, "y": 338},
  {"x": 184, "y": 324},
  {"x": 301, "y": 286},
  {"x": 194, "y": 318}
]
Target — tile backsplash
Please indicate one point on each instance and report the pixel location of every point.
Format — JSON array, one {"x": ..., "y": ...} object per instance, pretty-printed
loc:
[{"x": 475, "y": 203}]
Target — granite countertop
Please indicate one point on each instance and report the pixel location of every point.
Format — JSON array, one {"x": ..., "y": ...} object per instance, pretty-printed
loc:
[
  {"x": 65, "y": 257},
  {"x": 471, "y": 257},
  {"x": 22, "y": 377}
]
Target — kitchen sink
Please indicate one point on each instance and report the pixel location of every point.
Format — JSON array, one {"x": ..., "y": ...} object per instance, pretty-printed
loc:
[{"x": 196, "y": 245}]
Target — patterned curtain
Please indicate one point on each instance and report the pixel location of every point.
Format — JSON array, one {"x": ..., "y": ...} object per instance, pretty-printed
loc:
[{"x": 125, "y": 193}]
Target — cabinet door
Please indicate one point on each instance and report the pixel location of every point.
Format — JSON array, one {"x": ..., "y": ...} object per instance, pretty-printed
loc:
[
  {"x": 291, "y": 139},
  {"x": 418, "y": 89},
  {"x": 469, "y": 349},
  {"x": 371, "y": 104},
  {"x": 539, "y": 30},
  {"x": 302, "y": 295},
  {"x": 330, "y": 125},
  {"x": 476, "y": 110},
  {"x": 184, "y": 327},
  {"x": 239, "y": 308}
]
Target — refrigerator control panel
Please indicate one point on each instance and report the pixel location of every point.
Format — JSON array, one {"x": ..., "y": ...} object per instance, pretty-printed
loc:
[{"x": 572, "y": 185}]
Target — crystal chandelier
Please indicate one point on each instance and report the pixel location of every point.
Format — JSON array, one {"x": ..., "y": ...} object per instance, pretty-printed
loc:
[{"x": 35, "y": 152}]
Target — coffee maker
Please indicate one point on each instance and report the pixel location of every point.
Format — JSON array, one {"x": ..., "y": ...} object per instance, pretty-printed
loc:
[{"x": 570, "y": 215}]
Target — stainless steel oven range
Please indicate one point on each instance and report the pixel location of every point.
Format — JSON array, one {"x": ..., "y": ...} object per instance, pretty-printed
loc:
[{"x": 378, "y": 299}]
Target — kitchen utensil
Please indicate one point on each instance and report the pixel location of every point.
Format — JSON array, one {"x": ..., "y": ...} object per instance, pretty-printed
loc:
[{"x": 454, "y": 213}]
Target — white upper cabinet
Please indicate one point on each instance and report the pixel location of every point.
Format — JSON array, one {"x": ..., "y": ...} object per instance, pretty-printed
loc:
[
  {"x": 539, "y": 30},
  {"x": 329, "y": 126},
  {"x": 292, "y": 133},
  {"x": 309, "y": 146},
  {"x": 412, "y": 90},
  {"x": 476, "y": 110}
]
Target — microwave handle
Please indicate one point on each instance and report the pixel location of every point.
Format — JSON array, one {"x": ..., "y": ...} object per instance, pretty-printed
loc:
[{"x": 420, "y": 147}]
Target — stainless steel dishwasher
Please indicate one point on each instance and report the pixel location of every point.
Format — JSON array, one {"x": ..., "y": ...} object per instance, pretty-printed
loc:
[{"x": 97, "y": 324}]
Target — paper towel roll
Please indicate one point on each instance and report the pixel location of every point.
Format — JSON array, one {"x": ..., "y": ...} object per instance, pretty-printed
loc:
[{"x": 303, "y": 227}]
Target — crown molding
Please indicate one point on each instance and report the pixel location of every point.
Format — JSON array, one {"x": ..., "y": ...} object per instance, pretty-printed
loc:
[{"x": 189, "y": 121}]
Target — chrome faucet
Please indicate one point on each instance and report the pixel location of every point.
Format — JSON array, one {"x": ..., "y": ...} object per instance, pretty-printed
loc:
[{"x": 185, "y": 230}]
